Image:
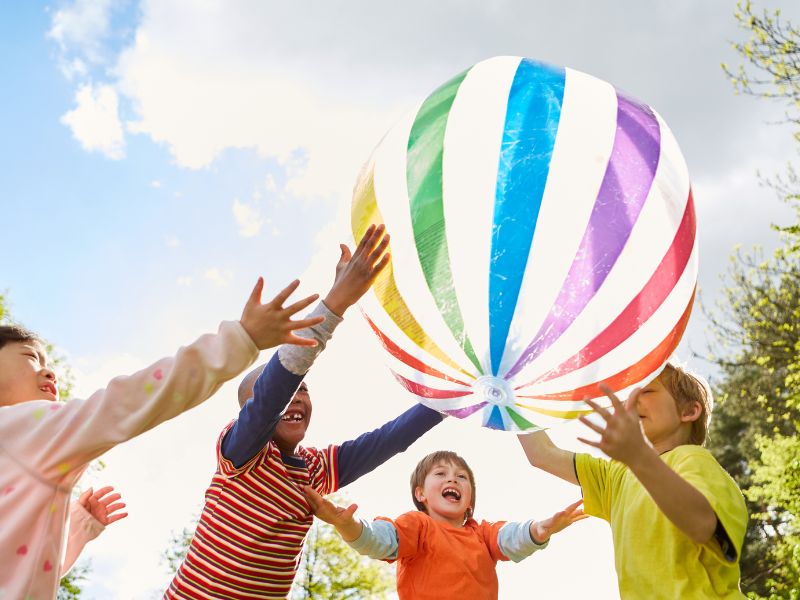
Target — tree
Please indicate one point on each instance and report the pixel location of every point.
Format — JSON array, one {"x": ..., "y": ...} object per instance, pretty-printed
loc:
[
  {"x": 756, "y": 423},
  {"x": 758, "y": 339},
  {"x": 329, "y": 569}
]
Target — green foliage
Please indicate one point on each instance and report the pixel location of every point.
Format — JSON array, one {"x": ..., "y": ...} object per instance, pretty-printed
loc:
[
  {"x": 756, "y": 328},
  {"x": 331, "y": 570},
  {"x": 70, "y": 587},
  {"x": 771, "y": 56},
  {"x": 754, "y": 432}
]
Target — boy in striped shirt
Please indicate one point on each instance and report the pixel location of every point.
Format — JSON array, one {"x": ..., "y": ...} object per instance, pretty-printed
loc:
[{"x": 255, "y": 519}]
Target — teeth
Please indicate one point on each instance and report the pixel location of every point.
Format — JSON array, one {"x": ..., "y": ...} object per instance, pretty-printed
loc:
[{"x": 451, "y": 492}]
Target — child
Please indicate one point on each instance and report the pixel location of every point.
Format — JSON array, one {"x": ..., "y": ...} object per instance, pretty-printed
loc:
[
  {"x": 677, "y": 518},
  {"x": 255, "y": 519},
  {"x": 441, "y": 550},
  {"x": 45, "y": 445}
]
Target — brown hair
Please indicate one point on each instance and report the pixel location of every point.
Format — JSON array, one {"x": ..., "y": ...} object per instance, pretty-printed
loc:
[
  {"x": 17, "y": 333},
  {"x": 687, "y": 389},
  {"x": 427, "y": 464}
]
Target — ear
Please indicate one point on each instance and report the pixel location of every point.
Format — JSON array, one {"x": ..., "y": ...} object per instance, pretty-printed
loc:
[
  {"x": 418, "y": 494},
  {"x": 691, "y": 412}
]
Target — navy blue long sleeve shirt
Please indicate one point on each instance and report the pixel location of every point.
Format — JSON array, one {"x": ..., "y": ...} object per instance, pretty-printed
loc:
[{"x": 272, "y": 393}]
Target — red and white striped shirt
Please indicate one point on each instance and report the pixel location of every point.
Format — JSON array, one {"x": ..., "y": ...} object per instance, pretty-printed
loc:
[{"x": 255, "y": 519}]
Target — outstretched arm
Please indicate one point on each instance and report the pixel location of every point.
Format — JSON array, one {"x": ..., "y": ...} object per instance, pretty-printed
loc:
[
  {"x": 544, "y": 454},
  {"x": 67, "y": 436},
  {"x": 519, "y": 540},
  {"x": 281, "y": 377},
  {"x": 274, "y": 389},
  {"x": 622, "y": 439},
  {"x": 360, "y": 456},
  {"x": 376, "y": 540}
]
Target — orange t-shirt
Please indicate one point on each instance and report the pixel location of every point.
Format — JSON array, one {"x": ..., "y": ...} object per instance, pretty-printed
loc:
[{"x": 437, "y": 560}]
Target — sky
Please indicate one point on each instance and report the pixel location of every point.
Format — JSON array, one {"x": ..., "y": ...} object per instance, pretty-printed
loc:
[{"x": 161, "y": 155}]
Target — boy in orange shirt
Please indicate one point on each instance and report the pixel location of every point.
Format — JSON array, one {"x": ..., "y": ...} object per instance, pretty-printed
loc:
[{"x": 441, "y": 550}]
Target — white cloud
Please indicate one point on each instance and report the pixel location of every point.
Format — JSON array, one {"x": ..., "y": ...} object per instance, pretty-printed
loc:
[
  {"x": 155, "y": 184},
  {"x": 80, "y": 28},
  {"x": 199, "y": 92},
  {"x": 95, "y": 120},
  {"x": 248, "y": 218},
  {"x": 217, "y": 277},
  {"x": 184, "y": 280},
  {"x": 172, "y": 241}
]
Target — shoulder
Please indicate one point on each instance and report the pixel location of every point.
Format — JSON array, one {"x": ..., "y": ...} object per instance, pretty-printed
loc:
[{"x": 687, "y": 454}]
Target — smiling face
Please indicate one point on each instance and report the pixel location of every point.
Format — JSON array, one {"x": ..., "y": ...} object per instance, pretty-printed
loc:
[
  {"x": 294, "y": 422},
  {"x": 24, "y": 374},
  {"x": 446, "y": 492}
]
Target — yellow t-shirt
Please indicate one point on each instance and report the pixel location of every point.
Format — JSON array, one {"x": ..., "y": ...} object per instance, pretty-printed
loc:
[{"x": 654, "y": 559}]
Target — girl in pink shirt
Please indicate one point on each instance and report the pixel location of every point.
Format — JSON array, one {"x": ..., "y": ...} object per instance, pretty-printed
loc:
[{"x": 45, "y": 445}]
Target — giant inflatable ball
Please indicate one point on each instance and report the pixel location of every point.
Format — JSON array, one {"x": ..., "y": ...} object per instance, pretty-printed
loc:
[{"x": 542, "y": 240}]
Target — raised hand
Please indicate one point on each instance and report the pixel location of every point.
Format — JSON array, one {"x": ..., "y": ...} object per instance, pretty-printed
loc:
[
  {"x": 355, "y": 273},
  {"x": 622, "y": 438},
  {"x": 270, "y": 324},
  {"x": 542, "y": 530},
  {"x": 103, "y": 505}
]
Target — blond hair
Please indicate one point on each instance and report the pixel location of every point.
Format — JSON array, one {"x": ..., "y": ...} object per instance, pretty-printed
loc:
[{"x": 687, "y": 389}]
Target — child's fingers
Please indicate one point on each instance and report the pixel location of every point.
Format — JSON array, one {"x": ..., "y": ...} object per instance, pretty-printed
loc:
[
  {"x": 301, "y": 304},
  {"x": 102, "y": 492},
  {"x": 365, "y": 241},
  {"x": 346, "y": 255},
  {"x": 599, "y": 409},
  {"x": 590, "y": 425},
  {"x": 115, "y": 518},
  {"x": 84, "y": 497},
  {"x": 115, "y": 507},
  {"x": 379, "y": 249},
  {"x": 255, "y": 295},
  {"x": 281, "y": 296},
  {"x": 112, "y": 498},
  {"x": 615, "y": 401},
  {"x": 632, "y": 402},
  {"x": 305, "y": 323},
  {"x": 574, "y": 505},
  {"x": 350, "y": 510},
  {"x": 314, "y": 499},
  {"x": 380, "y": 266},
  {"x": 296, "y": 340},
  {"x": 589, "y": 443},
  {"x": 370, "y": 239}
]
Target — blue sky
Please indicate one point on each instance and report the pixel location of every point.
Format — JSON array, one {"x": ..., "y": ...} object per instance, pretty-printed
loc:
[{"x": 160, "y": 155}]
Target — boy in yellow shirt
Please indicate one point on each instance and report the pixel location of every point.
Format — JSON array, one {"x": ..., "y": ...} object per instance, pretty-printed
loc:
[{"x": 677, "y": 518}]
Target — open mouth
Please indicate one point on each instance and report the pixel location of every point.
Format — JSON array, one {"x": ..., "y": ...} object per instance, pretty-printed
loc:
[
  {"x": 451, "y": 493},
  {"x": 293, "y": 417}
]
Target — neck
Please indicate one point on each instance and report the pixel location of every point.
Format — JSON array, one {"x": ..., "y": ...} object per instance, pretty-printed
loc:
[
  {"x": 457, "y": 523},
  {"x": 680, "y": 437},
  {"x": 288, "y": 449}
]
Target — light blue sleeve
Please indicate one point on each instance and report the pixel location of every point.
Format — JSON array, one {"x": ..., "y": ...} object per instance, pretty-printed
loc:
[
  {"x": 514, "y": 540},
  {"x": 378, "y": 539}
]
